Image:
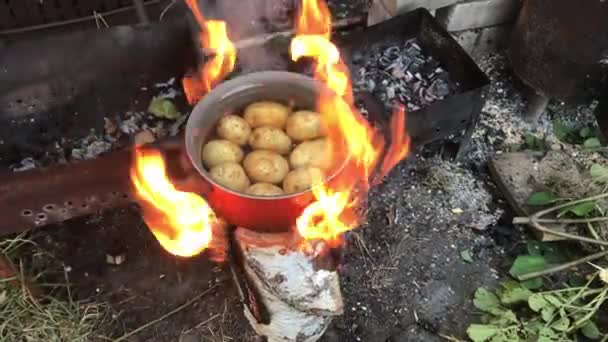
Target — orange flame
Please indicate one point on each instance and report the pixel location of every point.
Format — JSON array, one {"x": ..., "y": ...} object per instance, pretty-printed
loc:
[
  {"x": 213, "y": 36},
  {"x": 314, "y": 18},
  {"x": 181, "y": 221},
  {"x": 349, "y": 135}
]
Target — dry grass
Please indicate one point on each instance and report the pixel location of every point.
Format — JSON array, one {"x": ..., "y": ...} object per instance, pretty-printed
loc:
[{"x": 24, "y": 317}]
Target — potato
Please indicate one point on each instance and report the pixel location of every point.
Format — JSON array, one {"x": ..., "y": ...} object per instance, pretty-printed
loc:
[
  {"x": 230, "y": 175},
  {"x": 301, "y": 179},
  {"x": 304, "y": 125},
  {"x": 217, "y": 152},
  {"x": 311, "y": 153},
  {"x": 266, "y": 113},
  {"x": 234, "y": 128},
  {"x": 264, "y": 189},
  {"x": 265, "y": 166},
  {"x": 270, "y": 139}
]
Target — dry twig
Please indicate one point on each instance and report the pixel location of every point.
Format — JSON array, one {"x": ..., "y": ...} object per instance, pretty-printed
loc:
[
  {"x": 536, "y": 220},
  {"x": 165, "y": 316},
  {"x": 562, "y": 267}
]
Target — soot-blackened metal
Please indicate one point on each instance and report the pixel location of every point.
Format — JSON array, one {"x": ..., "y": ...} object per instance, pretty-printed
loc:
[{"x": 42, "y": 196}]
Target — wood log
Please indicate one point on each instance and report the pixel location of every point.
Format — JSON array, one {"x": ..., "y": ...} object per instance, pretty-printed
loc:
[{"x": 297, "y": 290}]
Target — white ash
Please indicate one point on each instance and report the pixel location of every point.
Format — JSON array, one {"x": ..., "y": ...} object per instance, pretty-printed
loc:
[
  {"x": 132, "y": 124},
  {"x": 501, "y": 124},
  {"x": 169, "y": 84},
  {"x": 168, "y": 90},
  {"x": 468, "y": 196},
  {"x": 91, "y": 146},
  {"x": 401, "y": 73},
  {"x": 170, "y": 93},
  {"x": 26, "y": 164}
]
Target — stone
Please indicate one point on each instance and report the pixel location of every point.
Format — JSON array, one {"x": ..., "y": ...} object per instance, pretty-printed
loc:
[
  {"x": 381, "y": 10},
  {"x": 475, "y": 14},
  {"x": 518, "y": 175}
]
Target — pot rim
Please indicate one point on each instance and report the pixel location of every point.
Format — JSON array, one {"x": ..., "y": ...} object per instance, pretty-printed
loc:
[{"x": 231, "y": 86}]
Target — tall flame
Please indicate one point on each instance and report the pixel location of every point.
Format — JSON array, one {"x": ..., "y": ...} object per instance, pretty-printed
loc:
[
  {"x": 349, "y": 135},
  {"x": 213, "y": 36},
  {"x": 181, "y": 221}
]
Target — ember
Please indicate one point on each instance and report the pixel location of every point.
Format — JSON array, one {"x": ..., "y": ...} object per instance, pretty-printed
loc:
[{"x": 401, "y": 73}]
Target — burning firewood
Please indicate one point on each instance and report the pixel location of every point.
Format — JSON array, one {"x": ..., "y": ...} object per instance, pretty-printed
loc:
[{"x": 292, "y": 293}]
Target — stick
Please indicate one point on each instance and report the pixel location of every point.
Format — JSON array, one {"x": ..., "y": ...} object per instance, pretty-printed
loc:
[
  {"x": 562, "y": 267},
  {"x": 140, "y": 9},
  {"x": 165, "y": 316},
  {"x": 535, "y": 220},
  {"x": 264, "y": 38},
  {"x": 73, "y": 21}
]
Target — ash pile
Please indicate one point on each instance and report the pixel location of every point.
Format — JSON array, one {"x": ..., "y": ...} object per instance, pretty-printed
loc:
[{"x": 401, "y": 72}]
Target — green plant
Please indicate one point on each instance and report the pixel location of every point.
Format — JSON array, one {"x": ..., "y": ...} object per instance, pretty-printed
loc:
[
  {"x": 533, "y": 142},
  {"x": 514, "y": 313},
  {"x": 586, "y": 136}
]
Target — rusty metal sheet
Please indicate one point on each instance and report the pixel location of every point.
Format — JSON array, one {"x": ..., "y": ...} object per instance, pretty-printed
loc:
[{"x": 38, "y": 197}]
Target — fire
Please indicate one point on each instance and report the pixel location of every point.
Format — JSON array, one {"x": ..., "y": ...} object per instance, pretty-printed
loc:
[
  {"x": 349, "y": 134},
  {"x": 213, "y": 36},
  {"x": 181, "y": 221}
]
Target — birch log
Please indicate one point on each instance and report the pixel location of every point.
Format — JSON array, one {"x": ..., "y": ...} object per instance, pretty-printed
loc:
[{"x": 299, "y": 291}]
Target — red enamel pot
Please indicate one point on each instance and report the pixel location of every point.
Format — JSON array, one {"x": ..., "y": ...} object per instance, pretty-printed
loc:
[{"x": 265, "y": 214}]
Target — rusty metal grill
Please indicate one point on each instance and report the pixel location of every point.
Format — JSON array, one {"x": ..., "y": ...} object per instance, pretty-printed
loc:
[{"x": 23, "y": 13}]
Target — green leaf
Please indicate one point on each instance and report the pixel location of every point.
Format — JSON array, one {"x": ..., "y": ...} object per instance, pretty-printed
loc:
[
  {"x": 533, "y": 142},
  {"x": 541, "y": 198},
  {"x": 506, "y": 318},
  {"x": 585, "y": 132},
  {"x": 599, "y": 173},
  {"x": 534, "y": 247},
  {"x": 512, "y": 292},
  {"x": 547, "y": 331},
  {"x": 527, "y": 263},
  {"x": 552, "y": 254},
  {"x": 467, "y": 256},
  {"x": 592, "y": 143},
  {"x": 535, "y": 327},
  {"x": 485, "y": 300},
  {"x": 560, "y": 130},
  {"x": 591, "y": 331},
  {"x": 579, "y": 210},
  {"x": 530, "y": 140},
  {"x": 562, "y": 324},
  {"x": 547, "y": 313},
  {"x": 536, "y": 302},
  {"x": 553, "y": 300},
  {"x": 481, "y": 332},
  {"x": 533, "y": 284},
  {"x": 163, "y": 108},
  {"x": 546, "y": 334}
]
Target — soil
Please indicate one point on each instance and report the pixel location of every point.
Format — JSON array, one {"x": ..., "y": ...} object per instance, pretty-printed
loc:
[{"x": 403, "y": 277}]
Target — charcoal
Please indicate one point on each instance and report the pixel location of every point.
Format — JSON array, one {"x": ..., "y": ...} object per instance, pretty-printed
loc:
[{"x": 401, "y": 72}]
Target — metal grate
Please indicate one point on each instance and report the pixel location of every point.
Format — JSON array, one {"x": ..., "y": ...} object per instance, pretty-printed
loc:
[{"x": 23, "y": 13}]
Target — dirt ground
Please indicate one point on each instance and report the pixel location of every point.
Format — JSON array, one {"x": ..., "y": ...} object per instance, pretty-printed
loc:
[{"x": 403, "y": 278}]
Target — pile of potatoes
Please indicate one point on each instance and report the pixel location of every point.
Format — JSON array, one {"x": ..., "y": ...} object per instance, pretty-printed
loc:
[{"x": 269, "y": 151}]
